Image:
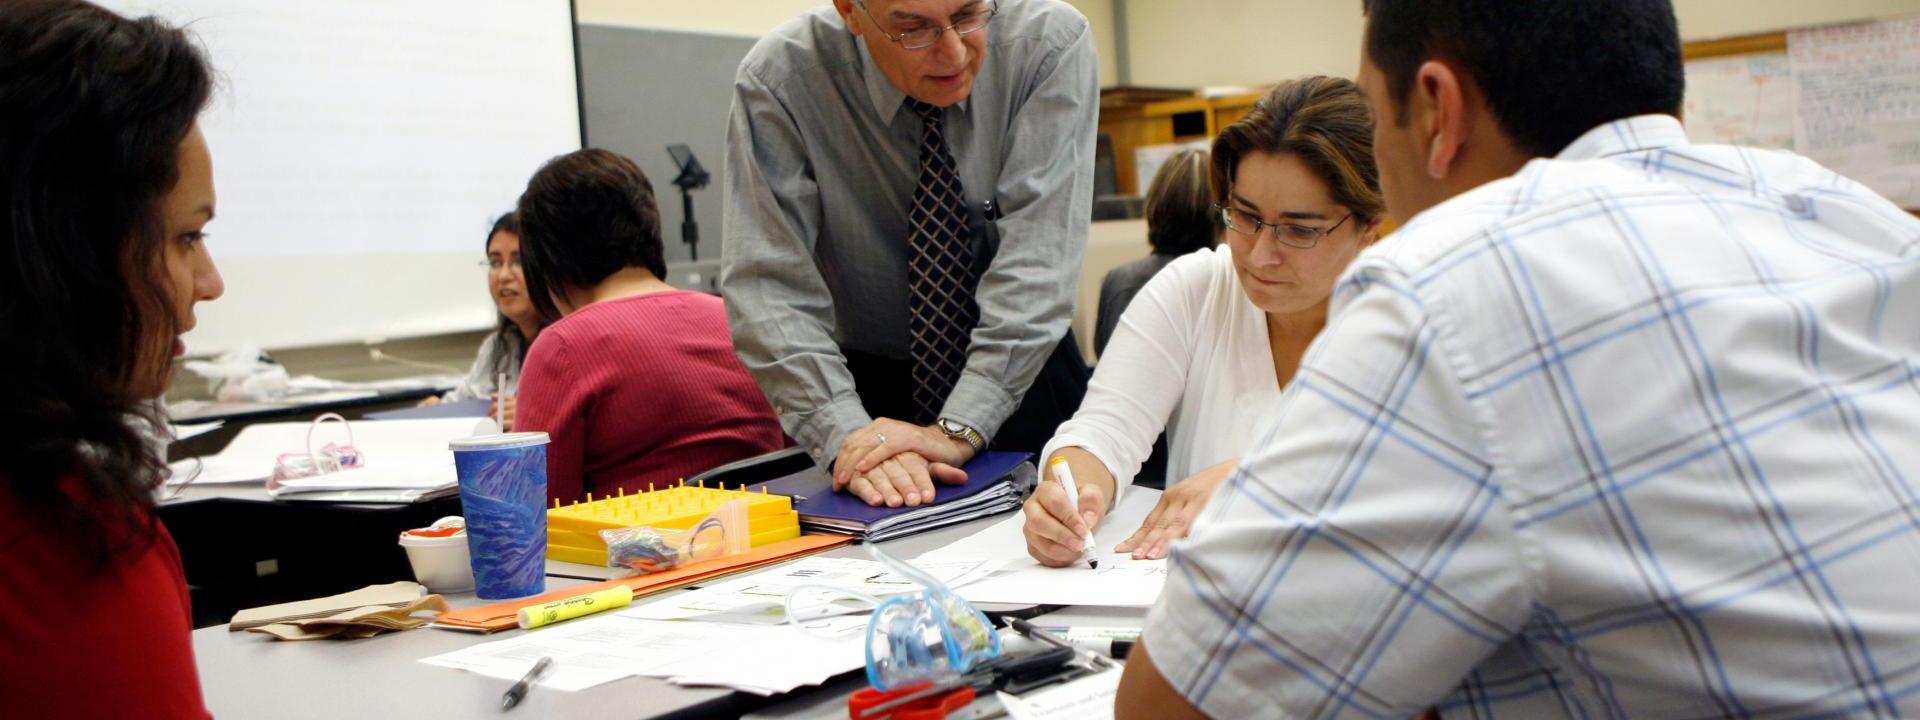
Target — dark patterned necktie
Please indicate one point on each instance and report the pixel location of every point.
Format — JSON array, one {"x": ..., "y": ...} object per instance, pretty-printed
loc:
[{"x": 940, "y": 277}]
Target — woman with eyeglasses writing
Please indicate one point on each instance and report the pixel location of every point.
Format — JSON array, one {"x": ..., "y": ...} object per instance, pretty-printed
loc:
[{"x": 1204, "y": 351}]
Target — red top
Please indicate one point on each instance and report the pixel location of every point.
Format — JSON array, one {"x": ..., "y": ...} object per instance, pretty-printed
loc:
[
  {"x": 639, "y": 392},
  {"x": 78, "y": 644}
]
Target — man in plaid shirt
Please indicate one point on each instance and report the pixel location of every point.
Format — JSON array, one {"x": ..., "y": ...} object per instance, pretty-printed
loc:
[{"x": 1615, "y": 426}]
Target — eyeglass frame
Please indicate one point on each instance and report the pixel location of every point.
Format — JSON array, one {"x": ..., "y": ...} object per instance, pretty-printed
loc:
[
  {"x": 1226, "y": 218},
  {"x": 993, "y": 8}
]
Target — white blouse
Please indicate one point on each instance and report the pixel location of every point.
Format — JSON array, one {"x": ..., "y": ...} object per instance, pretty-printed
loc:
[
  {"x": 483, "y": 379},
  {"x": 1190, "y": 356}
]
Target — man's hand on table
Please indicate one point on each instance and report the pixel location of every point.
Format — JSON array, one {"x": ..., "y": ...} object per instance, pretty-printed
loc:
[{"x": 897, "y": 463}]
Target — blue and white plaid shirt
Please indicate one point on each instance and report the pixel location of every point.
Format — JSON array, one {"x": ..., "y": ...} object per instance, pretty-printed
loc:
[{"x": 1632, "y": 433}]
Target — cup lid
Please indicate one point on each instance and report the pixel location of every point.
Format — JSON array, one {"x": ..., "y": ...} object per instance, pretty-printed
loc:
[{"x": 498, "y": 441}]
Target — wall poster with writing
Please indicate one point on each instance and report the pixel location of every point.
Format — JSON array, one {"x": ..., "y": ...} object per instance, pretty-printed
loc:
[{"x": 1856, "y": 91}]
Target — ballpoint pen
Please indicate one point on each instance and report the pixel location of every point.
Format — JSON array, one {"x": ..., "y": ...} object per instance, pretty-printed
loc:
[{"x": 519, "y": 689}]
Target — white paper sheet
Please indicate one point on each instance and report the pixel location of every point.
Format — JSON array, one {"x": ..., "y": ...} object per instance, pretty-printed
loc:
[
  {"x": 1003, "y": 540},
  {"x": 375, "y": 438},
  {"x": 778, "y": 659},
  {"x": 314, "y": 384},
  {"x": 214, "y": 471},
  {"x": 594, "y": 651},
  {"x": 183, "y": 432},
  {"x": 760, "y": 597},
  {"x": 395, "y": 472},
  {"x": 1087, "y": 698},
  {"x": 1119, "y": 582},
  {"x": 585, "y": 652},
  {"x": 404, "y": 453}
]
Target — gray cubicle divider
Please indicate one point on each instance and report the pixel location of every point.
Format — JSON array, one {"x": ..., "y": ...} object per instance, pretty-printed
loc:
[{"x": 645, "y": 89}]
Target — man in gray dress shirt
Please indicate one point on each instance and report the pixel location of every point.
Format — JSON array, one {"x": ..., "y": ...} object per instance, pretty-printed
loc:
[{"x": 908, "y": 189}]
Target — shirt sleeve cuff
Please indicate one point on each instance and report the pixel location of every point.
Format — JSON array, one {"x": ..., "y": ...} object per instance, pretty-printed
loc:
[
  {"x": 978, "y": 403},
  {"x": 821, "y": 430},
  {"x": 1061, "y": 442}
]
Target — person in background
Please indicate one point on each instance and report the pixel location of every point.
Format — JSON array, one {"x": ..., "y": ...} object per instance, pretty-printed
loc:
[
  {"x": 1615, "y": 425},
  {"x": 635, "y": 381},
  {"x": 504, "y": 350},
  {"x": 909, "y": 184},
  {"x": 107, "y": 187},
  {"x": 1180, "y": 220},
  {"x": 1206, "y": 349}
]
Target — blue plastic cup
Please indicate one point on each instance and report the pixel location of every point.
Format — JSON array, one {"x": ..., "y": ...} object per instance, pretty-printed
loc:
[{"x": 503, "y": 494}]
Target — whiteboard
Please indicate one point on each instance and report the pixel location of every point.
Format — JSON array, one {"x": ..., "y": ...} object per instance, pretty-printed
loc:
[{"x": 361, "y": 149}]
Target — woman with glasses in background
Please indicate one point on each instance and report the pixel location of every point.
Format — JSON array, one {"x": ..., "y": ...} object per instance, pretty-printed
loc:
[
  {"x": 505, "y": 349},
  {"x": 1206, "y": 348}
]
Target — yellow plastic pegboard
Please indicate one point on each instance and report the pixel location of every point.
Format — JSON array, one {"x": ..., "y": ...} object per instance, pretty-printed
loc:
[{"x": 573, "y": 531}]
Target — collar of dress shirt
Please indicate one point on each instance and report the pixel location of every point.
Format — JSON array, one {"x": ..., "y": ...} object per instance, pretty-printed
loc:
[{"x": 1627, "y": 135}]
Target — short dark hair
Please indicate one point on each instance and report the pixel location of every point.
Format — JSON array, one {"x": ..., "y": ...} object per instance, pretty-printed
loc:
[
  {"x": 1180, "y": 216},
  {"x": 97, "y": 106},
  {"x": 1550, "y": 70},
  {"x": 1321, "y": 120},
  {"x": 586, "y": 215}
]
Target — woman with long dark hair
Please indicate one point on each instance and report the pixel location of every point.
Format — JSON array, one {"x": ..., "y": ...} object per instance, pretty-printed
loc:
[
  {"x": 505, "y": 349},
  {"x": 107, "y": 185}
]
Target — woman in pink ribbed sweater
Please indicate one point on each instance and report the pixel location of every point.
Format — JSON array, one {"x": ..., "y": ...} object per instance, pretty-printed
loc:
[{"x": 635, "y": 381}]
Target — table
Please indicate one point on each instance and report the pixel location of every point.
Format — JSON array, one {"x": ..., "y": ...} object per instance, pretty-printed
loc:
[
  {"x": 240, "y": 548},
  {"x": 248, "y": 675}
]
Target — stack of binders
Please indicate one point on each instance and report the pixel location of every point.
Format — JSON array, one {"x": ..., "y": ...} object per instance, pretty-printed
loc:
[{"x": 996, "y": 483}]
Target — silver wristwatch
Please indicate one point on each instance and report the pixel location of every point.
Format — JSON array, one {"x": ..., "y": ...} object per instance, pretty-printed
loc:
[{"x": 959, "y": 431}]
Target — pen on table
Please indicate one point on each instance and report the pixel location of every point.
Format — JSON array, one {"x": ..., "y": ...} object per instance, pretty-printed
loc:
[
  {"x": 1031, "y": 630},
  {"x": 1065, "y": 474},
  {"x": 519, "y": 689},
  {"x": 1115, "y": 642}
]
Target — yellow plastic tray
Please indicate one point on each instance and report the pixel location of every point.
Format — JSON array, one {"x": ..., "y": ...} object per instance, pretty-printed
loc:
[
  {"x": 598, "y": 555},
  {"x": 573, "y": 531}
]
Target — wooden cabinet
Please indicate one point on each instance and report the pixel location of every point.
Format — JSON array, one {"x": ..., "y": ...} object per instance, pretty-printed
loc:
[{"x": 1134, "y": 117}]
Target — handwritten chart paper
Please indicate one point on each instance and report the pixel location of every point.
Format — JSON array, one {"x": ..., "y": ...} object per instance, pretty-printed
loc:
[
  {"x": 1745, "y": 100},
  {"x": 1856, "y": 91}
]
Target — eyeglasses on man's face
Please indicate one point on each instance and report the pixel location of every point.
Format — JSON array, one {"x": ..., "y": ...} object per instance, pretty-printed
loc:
[
  {"x": 1289, "y": 234},
  {"x": 971, "y": 19}
]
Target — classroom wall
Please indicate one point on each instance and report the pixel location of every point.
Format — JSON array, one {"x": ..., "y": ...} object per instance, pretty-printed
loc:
[
  {"x": 1707, "y": 19},
  {"x": 756, "y": 17},
  {"x": 636, "y": 110},
  {"x": 1198, "y": 43}
]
